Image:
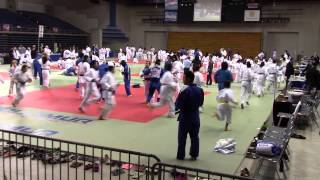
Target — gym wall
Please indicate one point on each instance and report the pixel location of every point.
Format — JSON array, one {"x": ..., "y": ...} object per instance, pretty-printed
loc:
[{"x": 247, "y": 44}]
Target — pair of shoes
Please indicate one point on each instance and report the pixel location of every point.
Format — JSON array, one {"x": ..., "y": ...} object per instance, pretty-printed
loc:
[
  {"x": 117, "y": 172},
  {"x": 242, "y": 107},
  {"x": 93, "y": 166},
  {"x": 245, "y": 172},
  {"x": 76, "y": 164}
]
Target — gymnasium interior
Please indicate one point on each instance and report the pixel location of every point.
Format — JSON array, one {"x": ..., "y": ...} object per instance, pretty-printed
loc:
[{"x": 47, "y": 137}]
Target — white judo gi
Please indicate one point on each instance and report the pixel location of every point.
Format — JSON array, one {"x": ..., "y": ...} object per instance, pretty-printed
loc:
[
  {"x": 246, "y": 77},
  {"x": 109, "y": 85},
  {"x": 45, "y": 73},
  {"x": 272, "y": 76},
  {"x": 261, "y": 78},
  {"x": 224, "y": 109},
  {"x": 12, "y": 71},
  {"x": 167, "y": 91},
  {"x": 83, "y": 68},
  {"x": 92, "y": 93},
  {"x": 199, "y": 81},
  {"x": 21, "y": 79}
]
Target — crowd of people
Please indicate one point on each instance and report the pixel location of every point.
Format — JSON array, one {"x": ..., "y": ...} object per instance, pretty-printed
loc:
[{"x": 177, "y": 77}]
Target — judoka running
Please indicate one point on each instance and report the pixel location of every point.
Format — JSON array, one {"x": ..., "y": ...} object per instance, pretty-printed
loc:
[
  {"x": 12, "y": 71},
  {"x": 83, "y": 68},
  {"x": 167, "y": 91},
  {"x": 109, "y": 85},
  {"x": 21, "y": 78},
  {"x": 91, "y": 77},
  {"x": 246, "y": 77},
  {"x": 261, "y": 78},
  {"x": 224, "y": 109},
  {"x": 45, "y": 66}
]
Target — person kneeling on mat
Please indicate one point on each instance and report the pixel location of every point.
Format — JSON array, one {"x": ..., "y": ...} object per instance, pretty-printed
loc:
[
  {"x": 109, "y": 85},
  {"x": 224, "y": 109}
]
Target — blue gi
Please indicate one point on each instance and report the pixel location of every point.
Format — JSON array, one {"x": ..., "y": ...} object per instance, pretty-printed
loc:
[
  {"x": 146, "y": 72},
  {"x": 127, "y": 78},
  {"x": 188, "y": 102},
  {"x": 37, "y": 68},
  {"x": 103, "y": 68},
  {"x": 222, "y": 76},
  {"x": 156, "y": 73}
]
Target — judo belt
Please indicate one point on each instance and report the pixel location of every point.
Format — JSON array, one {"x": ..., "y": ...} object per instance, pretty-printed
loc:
[
  {"x": 261, "y": 73},
  {"x": 81, "y": 75}
]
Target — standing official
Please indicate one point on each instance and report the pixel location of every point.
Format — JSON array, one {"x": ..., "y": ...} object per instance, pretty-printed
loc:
[{"x": 187, "y": 104}]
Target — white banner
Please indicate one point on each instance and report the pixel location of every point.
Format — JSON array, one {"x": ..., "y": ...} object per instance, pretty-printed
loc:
[
  {"x": 41, "y": 29},
  {"x": 252, "y": 15}
]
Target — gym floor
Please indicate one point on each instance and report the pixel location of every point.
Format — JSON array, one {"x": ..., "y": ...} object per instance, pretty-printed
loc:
[{"x": 131, "y": 125}]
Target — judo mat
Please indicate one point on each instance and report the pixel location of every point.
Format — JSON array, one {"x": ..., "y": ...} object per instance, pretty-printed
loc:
[
  {"x": 66, "y": 99},
  {"x": 56, "y": 109}
]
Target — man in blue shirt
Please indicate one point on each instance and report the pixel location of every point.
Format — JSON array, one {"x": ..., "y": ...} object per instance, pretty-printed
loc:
[
  {"x": 187, "y": 104},
  {"x": 223, "y": 75}
]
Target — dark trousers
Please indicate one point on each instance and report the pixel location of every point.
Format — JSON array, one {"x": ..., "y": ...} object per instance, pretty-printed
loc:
[
  {"x": 152, "y": 88},
  {"x": 193, "y": 132},
  {"x": 77, "y": 85},
  {"x": 127, "y": 86},
  {"x": 209, "y": 78}
]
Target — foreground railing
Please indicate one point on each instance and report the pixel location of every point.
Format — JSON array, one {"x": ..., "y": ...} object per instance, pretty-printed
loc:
[
  {"x": 33, "y": 157},
  {"x": 28, "y": 157},
  {"x": 164, "y": 171}
]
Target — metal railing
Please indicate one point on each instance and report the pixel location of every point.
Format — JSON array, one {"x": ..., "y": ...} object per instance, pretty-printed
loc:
[
  {"x": 27, "y": 157},
  {"x": 32, "y": 157},
  {"x": 164, "y": 171}
]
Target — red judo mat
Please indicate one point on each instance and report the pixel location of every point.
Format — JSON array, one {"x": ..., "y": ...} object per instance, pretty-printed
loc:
[
  {"x": 5, "y": 76},
  {"x": 66, "y": 99}
]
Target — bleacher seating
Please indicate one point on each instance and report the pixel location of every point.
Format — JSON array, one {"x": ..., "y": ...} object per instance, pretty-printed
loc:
[
  {"x": 23, "y": 30},
  {"x": 8, "y": 41},
  {"x": 50, "y": 22},
  {"x": 13, "y": 19}
]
